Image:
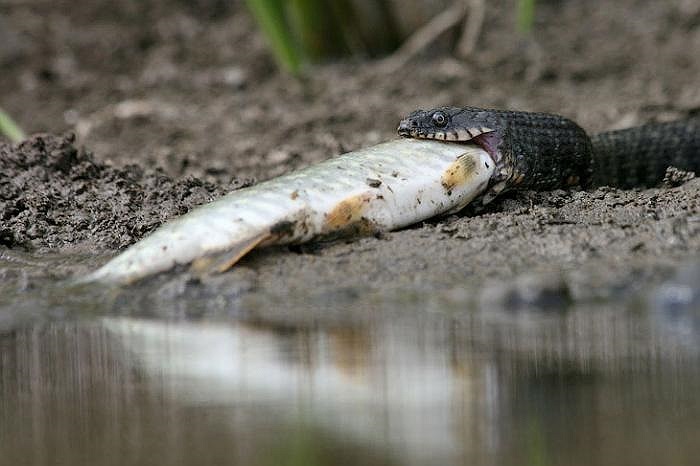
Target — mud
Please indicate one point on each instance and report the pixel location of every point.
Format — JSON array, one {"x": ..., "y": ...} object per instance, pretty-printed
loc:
[
  {"x": 173, "y": 105},
  {"x": 54, "y": 195}
]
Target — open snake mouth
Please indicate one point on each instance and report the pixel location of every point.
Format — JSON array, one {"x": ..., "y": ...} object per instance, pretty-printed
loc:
[
  {"x": 410, "y": 129},
  {"x": 489, "y": 139}
]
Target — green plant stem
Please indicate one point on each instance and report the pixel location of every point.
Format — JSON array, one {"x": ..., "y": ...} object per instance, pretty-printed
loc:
[
  {"x": 318, "y": 30},
  {"x": 9, "y": 128},
  {"x": 525, "y": 15},
  {"x": 271, "y": 17}
]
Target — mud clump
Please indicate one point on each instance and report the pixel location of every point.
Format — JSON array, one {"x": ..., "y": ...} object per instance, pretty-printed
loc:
[{"x": 55, "y": 195}]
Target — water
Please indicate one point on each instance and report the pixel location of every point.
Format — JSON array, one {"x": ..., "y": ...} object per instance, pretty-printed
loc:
[
  {"x": 376, "y": 381},
  {"x": 177, "y": 372}
]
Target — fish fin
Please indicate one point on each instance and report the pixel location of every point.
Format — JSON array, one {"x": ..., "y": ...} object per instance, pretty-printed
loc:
[{"x": 222, "y": 261}]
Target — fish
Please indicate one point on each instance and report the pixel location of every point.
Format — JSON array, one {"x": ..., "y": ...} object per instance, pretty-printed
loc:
[{"x": 371, "y": 190}]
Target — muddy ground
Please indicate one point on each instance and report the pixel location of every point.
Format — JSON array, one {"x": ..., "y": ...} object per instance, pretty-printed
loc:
[{"x": 174, "y": 103}]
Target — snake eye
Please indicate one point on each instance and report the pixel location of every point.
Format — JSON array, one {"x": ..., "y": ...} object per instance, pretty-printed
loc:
[{"x": 439, "y": 119}]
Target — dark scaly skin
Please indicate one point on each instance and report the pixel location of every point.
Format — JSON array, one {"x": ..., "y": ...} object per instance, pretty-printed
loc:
[
  {"x": 639, "y": 156},
  {"x": 543, "y": 151}
]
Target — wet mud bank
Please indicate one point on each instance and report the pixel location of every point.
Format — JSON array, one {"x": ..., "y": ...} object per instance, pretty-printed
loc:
[
  {"x": 528, "y": 249},
  {"x": 55, "y": 195}
]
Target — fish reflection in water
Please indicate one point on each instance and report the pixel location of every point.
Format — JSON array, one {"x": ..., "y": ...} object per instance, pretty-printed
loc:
[
  {"x": 399, "y": 394},
  {"x": 591, "y": 388}
]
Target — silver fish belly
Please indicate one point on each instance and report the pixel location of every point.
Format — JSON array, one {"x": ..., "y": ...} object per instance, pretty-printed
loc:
[{"x": 379, "y": 188}]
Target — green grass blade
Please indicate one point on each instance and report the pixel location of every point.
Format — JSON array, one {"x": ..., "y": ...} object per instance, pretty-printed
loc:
[
  {"x": 319, "y": 32},
  {"x": 10, "y": 129},
  {"x": 271, "y": 17},
  {"x": 525, "y": 15}
]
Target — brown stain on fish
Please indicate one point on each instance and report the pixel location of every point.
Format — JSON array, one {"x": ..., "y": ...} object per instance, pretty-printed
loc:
[
  {"x": 347, "y": 218},
  {"x": 347, "y": 212},
  {"x": 459, "y": 172},
  {"x": 292, "y": 229}
]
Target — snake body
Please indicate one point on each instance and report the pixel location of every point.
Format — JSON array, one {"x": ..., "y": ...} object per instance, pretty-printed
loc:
[{"x": 543, "y": 151}]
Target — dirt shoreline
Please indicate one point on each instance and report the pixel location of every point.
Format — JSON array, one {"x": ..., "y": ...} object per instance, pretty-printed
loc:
[
  {"x": 56, "y": 196},
  {"x": 543, "y": 248}
]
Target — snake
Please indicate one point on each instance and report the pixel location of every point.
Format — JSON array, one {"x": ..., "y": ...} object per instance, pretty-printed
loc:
[{"x": 544, "y": 151}]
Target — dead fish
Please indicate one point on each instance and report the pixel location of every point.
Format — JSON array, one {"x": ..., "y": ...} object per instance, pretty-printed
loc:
[{"x": 380, "y": 188}]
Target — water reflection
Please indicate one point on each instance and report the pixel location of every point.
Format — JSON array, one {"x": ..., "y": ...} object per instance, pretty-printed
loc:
[{"x": 439, "y": 389}]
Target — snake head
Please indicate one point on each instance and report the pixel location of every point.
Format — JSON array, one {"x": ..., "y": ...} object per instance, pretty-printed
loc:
[
  {"x": 467, "y": 124},
  {"x": 447, "y": 124}
]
